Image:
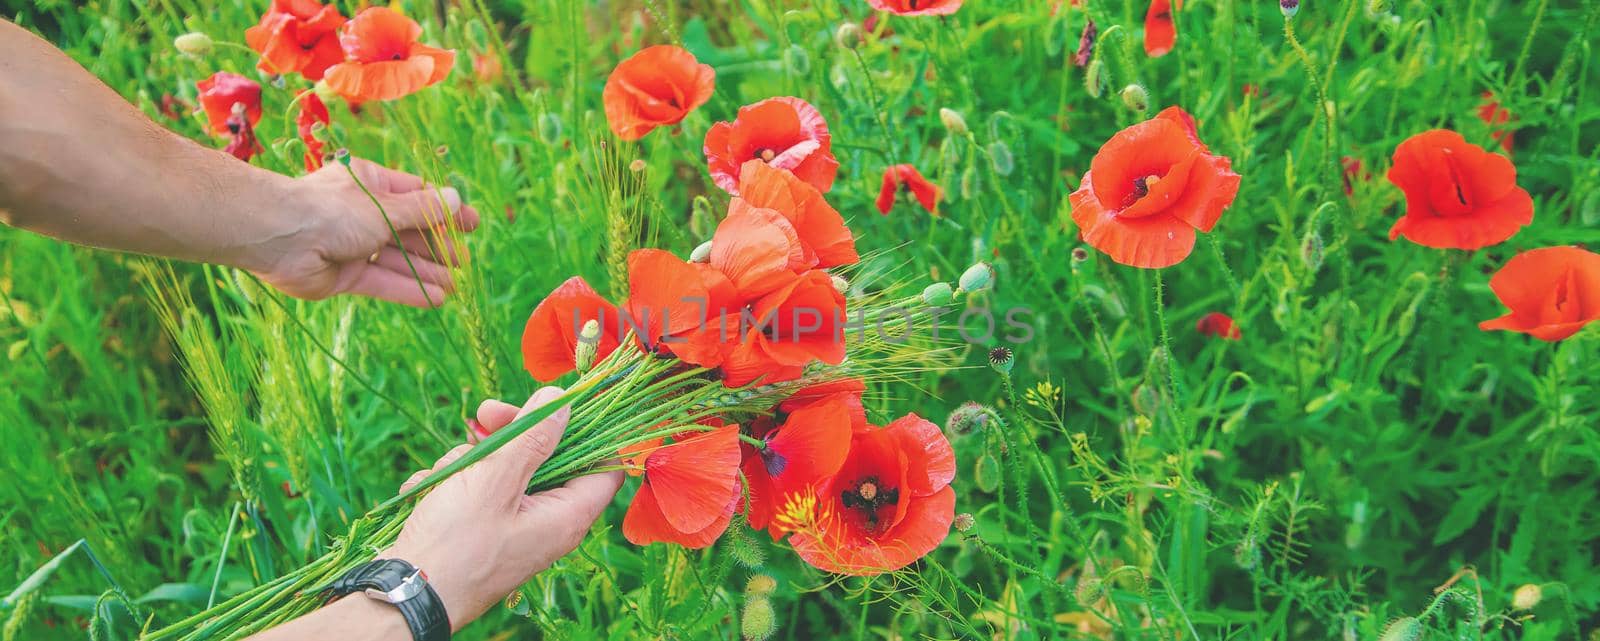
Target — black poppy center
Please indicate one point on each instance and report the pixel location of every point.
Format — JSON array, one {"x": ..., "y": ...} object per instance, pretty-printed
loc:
[
  {"x": 1142, "y": 186},
  {"x": 867, "y": 497}
]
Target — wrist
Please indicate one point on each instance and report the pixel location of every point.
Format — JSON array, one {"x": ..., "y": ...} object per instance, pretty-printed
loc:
[
  {"x": 454, "y": 592},
  {"x": 277, "y": 217}
]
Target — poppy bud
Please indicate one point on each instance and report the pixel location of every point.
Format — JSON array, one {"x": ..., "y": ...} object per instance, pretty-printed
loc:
[
  {"x": 549, "y": 128},
  {"x": 588, "y": 344},
  {"x": 760, "y": 585},
  {"x": 759, "y": 620},
  {"x": 701, "y": 254},
  {"x": 637, "y": 165},
  {"x": 1527, "y": 597},
  {"x": 1247, "y": 555},
  {"x": 1089, "y": 591},
  {"x": 325, "y": 92},
  {"x": 1311, "y": 250},
  {"x": 1001, "y": 359},
  {"x": 1145, "y": 399},
  {"x": 848, "y": 36},
  {"x": 1402, "y": 629},
  {"x": 969, "y": 417},
  {"x": 964, "y": 522},
  {"x": 969, "y": 183},
  {"x": 702, "y": 220},
  {"x": 953, "y": 122},
  {"x": 1289, "y": 7},
  {"x": 1000, "y": 158},
  {"x": 976, "y": 278},
  {"x": 797, "y": 60},
  {"x": 841, "y": 285},
  {"x": 193, "y": 43},
  {"x": 1094, "y": 78},
  {"x": 1135, "y": 97},
  {"x": 937, "y": 295},
  {"x": 986, "y": 473},
  {"x": 342, "y": 155}
]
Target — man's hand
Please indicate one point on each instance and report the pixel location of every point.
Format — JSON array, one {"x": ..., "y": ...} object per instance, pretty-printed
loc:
[
  {"x": 477, "y": 536},
  {"x": 341, "y": 243}
]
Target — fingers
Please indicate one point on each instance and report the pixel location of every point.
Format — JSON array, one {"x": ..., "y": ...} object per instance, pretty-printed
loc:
[
  {"x": 437, "y": 247},
  {"x": 580, "y": 500},
  {"x": 493, "y": 414},
  {"x": 449, "y": 457},
  {"x": 425, "y": 208},
  {"x": 395, "y": 260},
  {"x": 412, "y": 481},
  {"x": 516, "y": 461},
  {"x": 392, "y": 286}
]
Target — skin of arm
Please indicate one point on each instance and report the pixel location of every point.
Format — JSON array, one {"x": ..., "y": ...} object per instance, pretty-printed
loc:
[
  {"x": 475, "y": 535},
  {"x": 79, "y": 163}
]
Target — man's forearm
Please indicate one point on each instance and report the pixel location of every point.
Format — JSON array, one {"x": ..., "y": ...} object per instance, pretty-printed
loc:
[{"x": 79, "y": 163}]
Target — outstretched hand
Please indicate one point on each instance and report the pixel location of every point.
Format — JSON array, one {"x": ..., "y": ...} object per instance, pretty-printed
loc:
[
  {"x": 477, "y": 536},
  {"x": 343, "y": 244}
]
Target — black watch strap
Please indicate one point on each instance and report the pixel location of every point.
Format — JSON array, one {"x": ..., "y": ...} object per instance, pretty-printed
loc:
[{"x": 424, "y": 612}]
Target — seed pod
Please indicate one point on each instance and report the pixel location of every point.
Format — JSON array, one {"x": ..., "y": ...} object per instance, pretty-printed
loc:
[
  {"x": 759, "y": 620},
  {"x": 969, "y": 417},
  {"x": 953, "y": 122},
  {"x": 1402, "y": 629},
  {"x": 1289, "y": 8},
  {"x": 937, "y": 295},
  {"x": 964, "y": 522},
  {"x": 1001, "y": 359},
  {"x": 1000, "y": 158},
  {"x": 797, "y": 60},
  {"x": 976, "y": 278},
  {"x": 549, "y": 128},
  {"x": 701, "y": 254},
  {"x": 848, "y": 36},
  {"x": 1527, "y": 597},
  {"x": 194, "y": 43},
  {"x": 1079, "y": 254},
  {"x": 986, "y": 473},
  {"x": 1135, "y": 97},
  {"x": 760, "y": 585}
]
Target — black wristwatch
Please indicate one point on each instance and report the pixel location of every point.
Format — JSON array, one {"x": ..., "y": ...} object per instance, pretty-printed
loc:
[{"x": 402, "y": 585}]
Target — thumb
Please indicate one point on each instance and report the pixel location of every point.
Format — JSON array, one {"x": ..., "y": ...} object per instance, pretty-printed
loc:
[{"x": 515, "y": 462}]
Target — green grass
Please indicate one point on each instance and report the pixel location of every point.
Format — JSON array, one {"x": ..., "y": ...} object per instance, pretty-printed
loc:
[{"x": 1363, "y": 447}]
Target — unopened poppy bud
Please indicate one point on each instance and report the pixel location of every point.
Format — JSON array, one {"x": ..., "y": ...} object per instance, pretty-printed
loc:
[
  {"x": 637, "y": 165},
  {"x": 1311, "y": 250},
  {"x": 976, "y": 278},
  {"x": 967, "y": 418},
  {"x": 760, "y": 585},
  {"x": 588, "y": 345},
  {"x": 1089, "y": 591},
  {"x": 1247, "y": 555},
  {"x": 1094, "y": 78},
  {"x": 1001, "y": 359},
  {"x": 797, "y": 60},
  {"x": 964, "y": 522},
  {"x": 441, "y": 151},
  {"x": 1377, "y": 9},
  {"x": 759, "y": 620},
  {"x": 986, "y": 473},
  {"x": 194, "y": 43},
  {"x": 701, "y": 254},
  {"x": 848, "y": 36},
  {"x": 841, "y": 285},
  {"x": 1289, "y": 7},
  {"x": 1402, "y": 629},
  {"x": 1527, "y": 597},
  {"x": 1135, "y": 97},
  {"x": 938, "y": 294},
  {"x": 970, "y": 184},
  {"x": 702, "y": 219},
  {"x": 953, "y": 122},
  {"x": 549, "y": 128},
  {"x": 1000, "y": 158}
]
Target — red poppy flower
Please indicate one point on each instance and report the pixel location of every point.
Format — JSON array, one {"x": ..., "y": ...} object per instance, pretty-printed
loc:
[
  {"x": 917, "y": 7},
  {"x": 806, "y": 448},
  {"x": 849, "y": 388},
  {"x": 824, "y": 238},
  {"x": 689, "y": 493},
  {"x": 550, "y": 339},
  {"x": 1085, "y": 43},
  {"x": 242, "y": 143},
  {"x": 1498, "y": 119},
  {"x": 383, "y": 60},
  {"x": 800, "y": 322},
  {"x": 1354, "y": 172},
  {"x": 1552, "y": 292},
  {"x": 1217, "y": 324},
  {"x": 669, "y": 300},
  {"x": 312, "y": 111},
  {"x": 905, "y": 176},
  {"x": 655, "y": 87},
  {"x": 1160, "y": 31},
  {"x": 221, "y": 91},
  {"x": 1149, "y": 188},
  {"x": 784, "y": 132},
  {"x": 889, "y": 504},
  {"x": 297, "y": 36},
  {"x": 1457, "y": 195},
  {"x": 758, "y": 249}
]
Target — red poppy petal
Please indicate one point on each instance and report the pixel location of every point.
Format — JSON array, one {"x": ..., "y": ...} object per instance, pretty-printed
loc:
[
  {"x": 644, "y": 523},
  {"x": 692, "y": 478},
  {"x": 931, "y": 461},
  {"x": 1211, "y": 188},
  {"x": 1151, "y": 243},
  {"x": 550, "y": 337},
  {"x": 757, "y": 249},
  {"x": 1160, "y": 32},
  {"x": 1149, "y": 148},
  {"x": 811, "y": 444}
]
